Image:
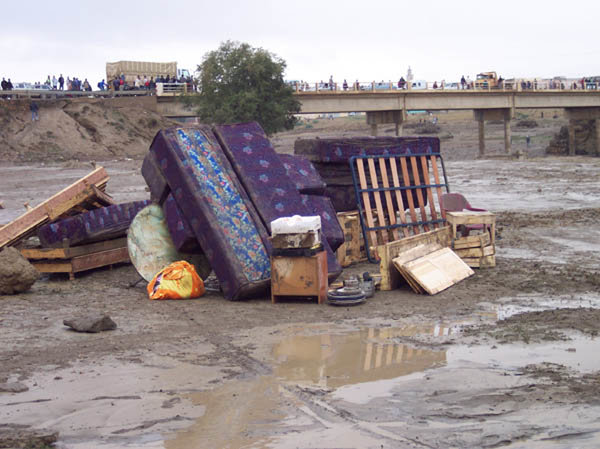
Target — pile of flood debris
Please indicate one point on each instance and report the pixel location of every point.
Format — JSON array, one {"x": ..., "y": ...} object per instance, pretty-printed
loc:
[{"x": 218, "y": 195}]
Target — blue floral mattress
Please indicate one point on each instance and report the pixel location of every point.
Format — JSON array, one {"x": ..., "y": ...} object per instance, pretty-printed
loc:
[
  {"x": 99, "y": 224},
  {"x": 216, "y": 207},
  {"x": 303, "y": 174}
]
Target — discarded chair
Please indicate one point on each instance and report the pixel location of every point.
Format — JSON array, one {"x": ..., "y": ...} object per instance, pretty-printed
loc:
[{"x": 456, "y": 202}]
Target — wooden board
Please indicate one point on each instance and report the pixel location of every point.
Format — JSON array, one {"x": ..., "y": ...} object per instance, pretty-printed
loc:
[
  {"x": 437, "y": 271},
  {"x": 82, "y": 263},
  {"x": 390, "y": 277},
  {"x": 481, "y": 262},
  {"x": 472, "y": 241},
  {"x": 475, "y": 252},
  {"x": 68, "y": 253},
  {"x": 54, "y": 206}
]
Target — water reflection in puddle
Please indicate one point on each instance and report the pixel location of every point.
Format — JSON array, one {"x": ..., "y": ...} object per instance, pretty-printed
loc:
[{"x": 364, "y": 356}]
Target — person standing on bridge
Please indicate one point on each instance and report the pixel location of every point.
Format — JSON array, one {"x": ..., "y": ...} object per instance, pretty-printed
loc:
[
  {"x": 345, "y": 85},
  {"x": 331, "y": 82},
  {"x": 463, "y": 81},
  {"x": 61, "y": 82}
]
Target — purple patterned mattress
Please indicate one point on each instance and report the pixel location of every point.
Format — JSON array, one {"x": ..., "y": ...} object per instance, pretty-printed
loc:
[
  {"x": 330, "y": 226},
  {"x": 217, "y": 208},
  {"x": 303, "y": 174},
  {"x": 331, "y": 159},
  {"x": 159, "y": 189},
  {"x": 99, "y": 224},
  {"x": 341, "y": 150},
  {"x": 261, "y": 172},
  {"x": 181, "y": 232}
]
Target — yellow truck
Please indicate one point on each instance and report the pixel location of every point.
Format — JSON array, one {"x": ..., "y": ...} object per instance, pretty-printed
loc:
[
  {"x": 486, "y": 80},
  {"x": 131, "y": 70}
]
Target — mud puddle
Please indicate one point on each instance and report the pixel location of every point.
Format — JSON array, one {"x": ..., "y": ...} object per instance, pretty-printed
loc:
[{"x": 385, "y": 387}]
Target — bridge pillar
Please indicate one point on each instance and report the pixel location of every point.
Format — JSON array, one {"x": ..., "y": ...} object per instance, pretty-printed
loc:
[
  {"x": 481, "y": 115},
  {"x": 375, "y": 118},
  {"x": 589, "y": 114}
]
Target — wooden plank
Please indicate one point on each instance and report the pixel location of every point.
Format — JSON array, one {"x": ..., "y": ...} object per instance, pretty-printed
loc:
[
  {"x": 67, "y": 253},
  {"x": 390, "y": 277},
  {"x": 436, "y": 179},
  {"x": 85, "y": 196},
  {"x": 472, "y": 241},
  {"x": 439, "y": 270},
  {"x": 429, "y": 192},
  {"x": 415, "y": 169},
  {"x": 53, "y": 266},
  {"x": 396, "y": 181},
  {"x": 378, "y": 205},
  {"x": 409, "y": 196},
  {"x": 391, "y": 213},
  {"x": 16, "y": 229},
  {"x": 367, "y": 202},
  {"x": 481, "y": 262},
  {"x": 469, "y": 252},
  {"x": 101, "y": 259}
]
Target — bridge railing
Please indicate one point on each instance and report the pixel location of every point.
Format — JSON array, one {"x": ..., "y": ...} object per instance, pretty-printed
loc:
[
  {"x": 517, "y": 85},
  {"x": 171, "y": 89},
  {"x": 53, "y": 94}
]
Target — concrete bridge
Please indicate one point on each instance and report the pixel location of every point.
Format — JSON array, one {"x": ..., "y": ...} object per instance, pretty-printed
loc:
[{"x": 391, "y": 106}]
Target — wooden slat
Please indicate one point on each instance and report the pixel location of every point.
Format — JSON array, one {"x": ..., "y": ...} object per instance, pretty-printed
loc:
[
  {"x": 413, "y": 163},
  {"x": 472, "y": 241},
  {"x": 436, "y": 179},
  {"x": 388, "y": 198},
  {"x": 16, "y": 229},
  {"x": 409, "y": 196},
  {"x": 378, "y": 204},
  {"x": 426, "y": 181},
  {"x": 394, "y": 170},
  {"x": 367, "y": 202},
  {"x": 53, "y": 266},
  {"x": 67, "y": 253},
  {"x": 101, "y": 259}
]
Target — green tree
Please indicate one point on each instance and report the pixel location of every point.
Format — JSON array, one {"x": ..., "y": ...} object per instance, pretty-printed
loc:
[{"x": 239, "y": 83}]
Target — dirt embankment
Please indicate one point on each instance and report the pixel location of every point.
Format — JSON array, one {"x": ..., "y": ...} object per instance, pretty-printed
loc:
[{"x": 80, "y": 129}]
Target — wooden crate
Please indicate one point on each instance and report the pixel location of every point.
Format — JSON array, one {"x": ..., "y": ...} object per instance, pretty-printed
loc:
[
  {"x": 353, "y": 248},
  {"x": 78, "y": 258},
  {"x": 479, "y": 250}
]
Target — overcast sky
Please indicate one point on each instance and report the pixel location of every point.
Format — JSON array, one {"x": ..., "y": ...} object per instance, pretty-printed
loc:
[{"x": 364, "y": 40}]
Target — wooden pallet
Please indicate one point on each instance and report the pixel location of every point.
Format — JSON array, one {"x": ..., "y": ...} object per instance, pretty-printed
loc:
[
  {"x": 78, "y": 258},
  {"x": 384, "y": 179},
  {"x": 84, "y": 194},
  {"x": 353, "y": 249}
]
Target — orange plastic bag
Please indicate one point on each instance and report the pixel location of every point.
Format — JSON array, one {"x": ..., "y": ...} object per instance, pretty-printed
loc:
[{"x": 179, "y": 280}]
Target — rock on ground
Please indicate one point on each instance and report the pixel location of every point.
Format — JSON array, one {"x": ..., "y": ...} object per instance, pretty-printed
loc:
[
  {"x": 16, "y": 273},
  {"x": 91, "y": 323}
]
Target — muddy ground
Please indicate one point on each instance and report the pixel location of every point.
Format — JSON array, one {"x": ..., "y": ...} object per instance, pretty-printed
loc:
[{"x": 506, "y": 358}]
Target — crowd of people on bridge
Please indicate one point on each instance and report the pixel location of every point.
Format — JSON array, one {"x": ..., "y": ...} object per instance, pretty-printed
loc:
[{"x": 76, "y": 84}]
